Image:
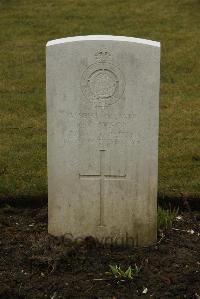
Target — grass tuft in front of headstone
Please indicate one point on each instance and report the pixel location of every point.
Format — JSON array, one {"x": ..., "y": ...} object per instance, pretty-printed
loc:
[{"x": 165, "y": 218}]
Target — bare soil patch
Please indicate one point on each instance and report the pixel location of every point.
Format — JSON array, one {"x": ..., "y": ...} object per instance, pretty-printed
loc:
[{"x": 36, "y": 265}]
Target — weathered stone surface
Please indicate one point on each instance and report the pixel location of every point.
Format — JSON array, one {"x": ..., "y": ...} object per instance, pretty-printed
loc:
[{"x": 103, "y": 114}]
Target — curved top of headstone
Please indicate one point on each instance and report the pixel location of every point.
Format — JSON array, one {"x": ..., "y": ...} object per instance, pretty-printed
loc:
[{"x": 103, "y": 38}]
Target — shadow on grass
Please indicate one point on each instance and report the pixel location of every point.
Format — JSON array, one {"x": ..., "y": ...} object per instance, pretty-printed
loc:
[{"x": 37, "y": 201}]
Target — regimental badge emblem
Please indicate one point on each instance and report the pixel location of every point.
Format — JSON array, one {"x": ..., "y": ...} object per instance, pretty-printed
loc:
[{"x": 102, "y": 82}]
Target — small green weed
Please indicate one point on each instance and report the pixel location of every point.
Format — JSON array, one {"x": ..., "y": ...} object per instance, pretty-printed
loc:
[
  {"x": 118, "y": 273},
  {"x": 165, "y": 218}
]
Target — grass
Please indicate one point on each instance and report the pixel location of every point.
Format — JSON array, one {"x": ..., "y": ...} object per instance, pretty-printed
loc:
[
  {"x": 165, "y": 218},
  {"x": 26, "y": 26}
]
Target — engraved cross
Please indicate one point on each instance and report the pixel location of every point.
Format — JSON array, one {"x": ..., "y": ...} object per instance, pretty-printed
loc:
[{"x": 102, "y": 177}]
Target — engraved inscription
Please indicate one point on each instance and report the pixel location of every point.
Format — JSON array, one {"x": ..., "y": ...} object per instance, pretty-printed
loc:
[
  {"x": 102, "y": 82},
  {"x": 108, "y": 131}
]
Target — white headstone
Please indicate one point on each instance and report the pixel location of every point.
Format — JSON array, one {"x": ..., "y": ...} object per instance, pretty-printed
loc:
[{"x": 103, "y": 114}]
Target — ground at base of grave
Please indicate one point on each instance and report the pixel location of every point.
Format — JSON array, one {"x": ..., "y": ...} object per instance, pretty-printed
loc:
[{"x": 34, "y": 264}]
